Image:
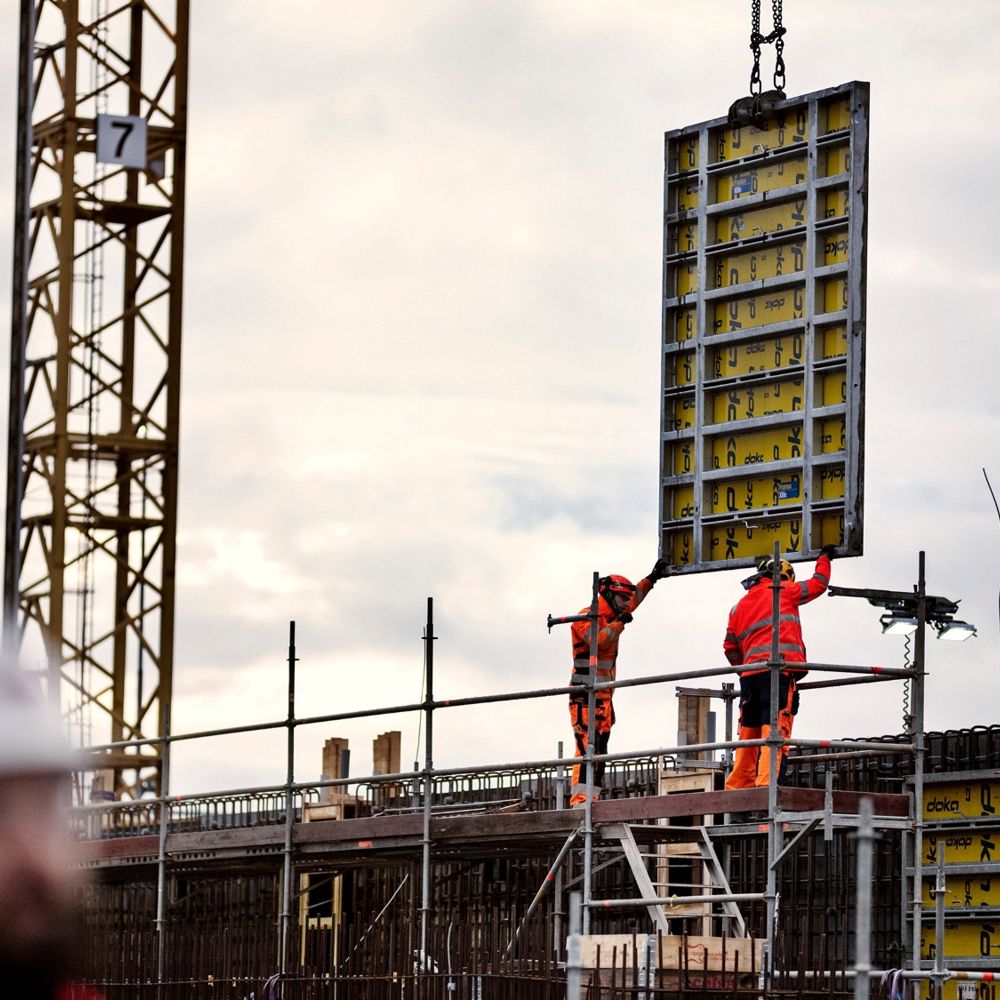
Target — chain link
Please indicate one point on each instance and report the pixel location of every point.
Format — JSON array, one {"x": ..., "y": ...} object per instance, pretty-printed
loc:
[{"x": 777, "y": 36}]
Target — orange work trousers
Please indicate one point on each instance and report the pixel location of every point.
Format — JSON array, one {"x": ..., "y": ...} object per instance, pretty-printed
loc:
[
  {"x": 604, "y": 719},
  {"x": 752, "y": 765}
]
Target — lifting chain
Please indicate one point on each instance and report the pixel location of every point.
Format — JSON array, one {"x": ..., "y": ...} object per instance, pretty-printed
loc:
[
  {"x": 777, "y": 36},
  {"x": 755, "y": 109}
]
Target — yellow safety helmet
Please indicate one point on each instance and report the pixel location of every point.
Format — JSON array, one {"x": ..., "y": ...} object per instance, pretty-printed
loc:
[{"x": 785, "y": 569}]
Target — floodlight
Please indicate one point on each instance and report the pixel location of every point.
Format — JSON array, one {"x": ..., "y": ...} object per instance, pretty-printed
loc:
[
  {"x": 954, "y": 631},
  {"x": 895, "y": 623}
]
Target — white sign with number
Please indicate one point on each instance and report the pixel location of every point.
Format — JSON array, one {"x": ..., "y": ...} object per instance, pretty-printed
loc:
[{"x": 121, "y": 139}]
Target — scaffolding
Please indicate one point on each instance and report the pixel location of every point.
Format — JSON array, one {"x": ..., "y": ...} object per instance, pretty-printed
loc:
[{"x": 594, "y": 827}]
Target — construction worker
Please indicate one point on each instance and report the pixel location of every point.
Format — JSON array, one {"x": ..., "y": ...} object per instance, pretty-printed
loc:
[
  {"x": 748, "y": 648},
  {"x": 38, "y": 934},
  {"x": 617, "y": 599}
]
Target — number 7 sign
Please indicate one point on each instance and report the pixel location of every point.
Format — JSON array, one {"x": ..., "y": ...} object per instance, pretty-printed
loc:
[{"x": 121, "y": 139}]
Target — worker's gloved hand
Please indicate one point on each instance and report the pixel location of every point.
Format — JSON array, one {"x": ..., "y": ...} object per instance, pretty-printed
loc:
[
  {"x": 658, "y": 571},
  {"x": 828, "y": 551},
  {"x": 625, "y": 617}
]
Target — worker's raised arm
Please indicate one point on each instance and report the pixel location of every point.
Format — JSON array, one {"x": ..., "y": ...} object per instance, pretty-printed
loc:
[
  {"x": 810, "y": 589},
  {"x": 646, "y": 584}
]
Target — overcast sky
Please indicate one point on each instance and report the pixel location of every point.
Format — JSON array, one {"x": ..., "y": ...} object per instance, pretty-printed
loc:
[{"x": 420, "y": 356}]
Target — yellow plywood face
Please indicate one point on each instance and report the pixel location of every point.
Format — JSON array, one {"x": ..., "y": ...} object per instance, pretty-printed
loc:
[
  {"x": 833, "y": 342},
  {"x": 758, "y": 310},
  {"x": 731, "y": 226},
  {"x": 835, "y": 247},
  {"x": 771, "y": 176},
  {"x": 745, "y": 403},
  {"x": 786, "y": 128},
  {"x": 831, "y": 482},
  {"x": 836, "y": 160},
  {"x": 678, "y": 502},
  {"x": 740, "y": 541},
  {"x": 747, "y": 493},
  {"x": 772, "y": 444},
  {"x": 831, "y": 295},
  {"x": 685, "y": 275},
  {"x": 758, "y": 356},
  {"x": 684, "y": 238},
  {"x": 682, "y": 457},
  {"x": 964, "y": 938},
  {"x": 832, "y": 435},
  {"x": 832, "y": 389},
  {"x": 973, "y": 799},
  {"x": 679, "y": 413},
  {"x": 681, "y": 369},
  {"x": 828, "y": 529},
  {"x": 838, "y": 115},
  {"x": 963, "y": 892},
  {"x": 836, "y": 203},
  {"x": 962, "y": 847},
  {"x": 683, "y": 325},
  {"x": 770, "y": 262},
  {"x": 686, "y": 150},
  {"x": 687, "y": 194},
  {"x": 677, "y": 547}
]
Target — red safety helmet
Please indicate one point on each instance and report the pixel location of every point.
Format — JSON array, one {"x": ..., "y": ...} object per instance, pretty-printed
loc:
[{"x": 615, "y": 584}]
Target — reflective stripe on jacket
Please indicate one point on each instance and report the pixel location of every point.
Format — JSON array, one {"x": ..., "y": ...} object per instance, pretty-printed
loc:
[
  {"x": 608, "y": 635},
  {"x": 748, "y": 637}
]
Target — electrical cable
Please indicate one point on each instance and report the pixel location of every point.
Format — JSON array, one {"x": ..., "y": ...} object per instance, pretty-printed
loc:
[{"x": 997, "y": 505}]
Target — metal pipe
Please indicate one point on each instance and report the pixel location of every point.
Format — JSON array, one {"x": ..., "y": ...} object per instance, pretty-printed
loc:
[
  {"x": 557, "y": 914},
  {"x": 939, "y": 893},
  {"x": 574, "y": 949},
  {"x": 917, "y": 732},
  {"x": 881, "y": 672},
  {"x": 588, "y": 806},
  {"x": 671, "y": 901},
  {"x": 161, "y": 858},
  {"x": 863, "y": 900},
  {"x": 550, "y": 877},
  {"x": 286, "y": 897},
  {"x": 19, "y": 329},
  {"x": 425, "y": 905},
  {"x": 773, "y": 745}
]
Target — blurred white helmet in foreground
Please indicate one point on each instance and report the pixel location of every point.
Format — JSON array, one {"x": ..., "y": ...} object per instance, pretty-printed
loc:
[{"x": 30, "y": 740}]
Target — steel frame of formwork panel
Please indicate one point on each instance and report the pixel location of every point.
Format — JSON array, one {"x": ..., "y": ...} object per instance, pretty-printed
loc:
[
  {"x": 778, "y": 817},
  {"x": 95, "y": 377},
  {"x": 701, "y": 173}
]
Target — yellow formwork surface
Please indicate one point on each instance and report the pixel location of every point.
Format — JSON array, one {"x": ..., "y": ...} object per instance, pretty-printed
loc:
[
  {"x": 786, "y": 128},
  {"x": 740, "y": 540},
  {"x": 687, "y": 194},
  {"x": 832, "y": 482},
  {"x": 678, "y": 502},
  {"x": 681, "y": 457},
  {"x": 759, "y": 400},
  {"x": 828, "y": 529},
  {"x": 731, "y": 226},
  {"x": 677, "y": 547},
  {"x": 767, "y": 262},
  {"x": 960, "y": 847},
  {"x": 683, "y": 238},
  {"x": 962, "y": 892},
  {"x": 758, "y": 355},
  {"x": 771, "y": 444},
  {"x": 748, "y": 311},
  {"x": 976, "y": 799},
  {"x": 965, "y": 939},
  {"x": 679, "y": 412},
  {"x": 748, "y": 493},
  {"x": 681, "y": 368},
  {"x": 771, "y": 176},
  {"x": 831, "y": 437},
  {"x": 683, "y": 325}
]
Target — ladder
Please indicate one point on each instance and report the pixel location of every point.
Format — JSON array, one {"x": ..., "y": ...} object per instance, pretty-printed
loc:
[{"x": 697, "y": 845}]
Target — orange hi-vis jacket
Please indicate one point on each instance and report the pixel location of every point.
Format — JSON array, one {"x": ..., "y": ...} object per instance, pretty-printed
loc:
[
  {"x": 608, "y": 634},
  {"x": 748, "y": 637}
]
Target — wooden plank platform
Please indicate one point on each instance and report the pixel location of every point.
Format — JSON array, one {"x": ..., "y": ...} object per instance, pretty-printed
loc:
[{"x": 480, "y": 835}]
